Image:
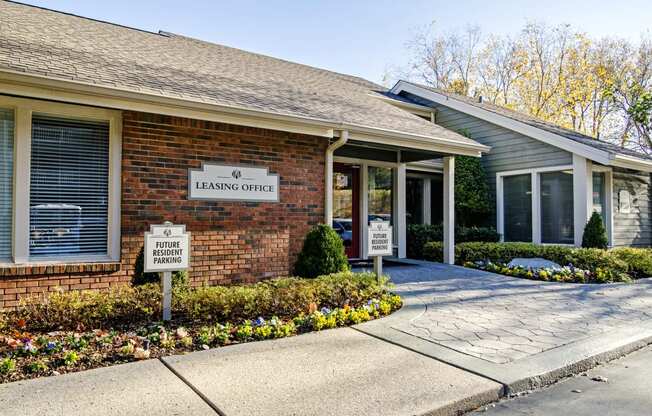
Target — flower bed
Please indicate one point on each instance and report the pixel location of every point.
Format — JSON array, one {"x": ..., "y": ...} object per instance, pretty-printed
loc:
[
  {"x": 566, "y": 274},
  {"x": 204, "y": 318},
  {"x": 613, "y": 265}
]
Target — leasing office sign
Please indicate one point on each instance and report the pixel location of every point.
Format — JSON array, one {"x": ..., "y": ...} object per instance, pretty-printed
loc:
[{"x": 232, "y": 183}]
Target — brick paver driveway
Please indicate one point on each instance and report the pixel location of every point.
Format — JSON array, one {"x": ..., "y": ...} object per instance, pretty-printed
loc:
[{"x": 502, "y": 319}]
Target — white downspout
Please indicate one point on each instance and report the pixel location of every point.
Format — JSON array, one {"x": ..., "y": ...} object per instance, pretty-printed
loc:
[{"x": 328, "y": 207}]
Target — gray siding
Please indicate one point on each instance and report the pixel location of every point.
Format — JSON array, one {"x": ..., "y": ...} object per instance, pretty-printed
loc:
[
  {"x": 634, "y": 228},
  {"x": 509, "y": 150}
]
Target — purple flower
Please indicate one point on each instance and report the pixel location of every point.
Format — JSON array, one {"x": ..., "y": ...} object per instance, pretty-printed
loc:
[
  {"x": 259, "y": 321},
  {"x": 50, "y": 345},
  {"x": 325, "y": 310}
]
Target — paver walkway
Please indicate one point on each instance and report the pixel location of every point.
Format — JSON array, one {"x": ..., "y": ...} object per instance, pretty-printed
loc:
[
  {"x": 502, "y": 319},
  {"x": 521, "y": 333}
]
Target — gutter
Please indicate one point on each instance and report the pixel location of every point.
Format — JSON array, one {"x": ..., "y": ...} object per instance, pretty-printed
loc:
[{"x": 328, "y": 200}]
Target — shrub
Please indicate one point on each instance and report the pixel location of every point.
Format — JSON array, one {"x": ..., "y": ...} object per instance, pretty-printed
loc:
[
  {"x": 420, "y": 234},
  {"x": 583, "y": 258},
  {"x": 595, "y": 235},
  {"x": 120, "y": 305},
  {"x": 284, "y": 297},
  {"x": 141, "y": 278},
  {"x": 322, "y": 253},
  {"x": 639, "y": 260},
  {"x": 472, "y": 201},
  {"x": 132, "y": 306}
]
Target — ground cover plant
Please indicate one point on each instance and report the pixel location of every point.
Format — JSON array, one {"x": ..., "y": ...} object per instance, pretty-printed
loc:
[
  {"x": 602, "y": 266},
  {"x": 72, "y": 331},
  {"x": 565, "y": 274}
]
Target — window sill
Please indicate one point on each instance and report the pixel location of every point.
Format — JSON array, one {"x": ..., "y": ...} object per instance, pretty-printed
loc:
[{"x": 52, "y": 268}]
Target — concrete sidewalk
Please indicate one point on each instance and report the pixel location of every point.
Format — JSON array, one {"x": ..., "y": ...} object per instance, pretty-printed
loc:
[{"x": 334, "y": 372}]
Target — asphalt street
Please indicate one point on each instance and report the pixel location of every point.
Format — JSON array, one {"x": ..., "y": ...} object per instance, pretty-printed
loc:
[{"x": 621, "y": 387}]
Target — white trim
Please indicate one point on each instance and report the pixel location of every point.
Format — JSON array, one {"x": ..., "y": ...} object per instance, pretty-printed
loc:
[
  {"x": 609, "y": 189},
  {"x": 15, "y": 83},
  {"x": 608, "y": 195},
  {"x": 358, "y": 161},
  {"x": 364, "y": 208},
  {"x": 24, "y": 109},
  {"x": 427, "y": 196},
  {"x": 401, "y": 222},
  {"x": 22, "y": 160},
  {"x": 589, "y": 152},
  {"x": 449, "y": 210},
  {"x": 581, "y": 212},
  {"x": 535, "y": 184},
  {"x": 535, "y": 196}
]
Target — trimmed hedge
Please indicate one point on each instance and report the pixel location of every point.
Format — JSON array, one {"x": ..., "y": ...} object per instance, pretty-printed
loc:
[
  {"x": 639, "y": 260},
  {"x": 133, "y": 305},
  {"x": 635, "y": 262},
  {"x": 420, "y": 234}
]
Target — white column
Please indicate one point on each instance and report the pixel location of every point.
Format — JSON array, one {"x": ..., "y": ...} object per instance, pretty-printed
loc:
[
  {"x": 427, "y": 209},
  {"x": 536, "y": 207},
  {"x": 608, "y": 178},
  {"x": 22, "y": 159},
  {"x": 581, "y": 189},
  {"x": 449, "y": 209},
  {"x": 364, "y": 208},
  {"x": 401, "y": 223}
]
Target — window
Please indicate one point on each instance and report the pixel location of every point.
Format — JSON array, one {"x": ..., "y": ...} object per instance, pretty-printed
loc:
[
  {"x": 517, "y": 208},
  {"x": 599, "y": 198},
  {"x": 414, "y": 200},
  {"x": 6, "y": 182},
  {"x": 69, "y": 188},
  {"x": 557, "y": 207},
  {"x": 380, "y": 194}
]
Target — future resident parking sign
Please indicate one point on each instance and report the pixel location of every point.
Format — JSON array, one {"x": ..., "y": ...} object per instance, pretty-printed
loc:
[
  {"x": 380, "y": 239},
  {"x": 167, "y": 248}
]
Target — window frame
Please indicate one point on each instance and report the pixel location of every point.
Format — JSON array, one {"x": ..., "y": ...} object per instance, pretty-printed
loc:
[
  {"x": 23, "y": 109},
  {"x": 535, "y": 177}
]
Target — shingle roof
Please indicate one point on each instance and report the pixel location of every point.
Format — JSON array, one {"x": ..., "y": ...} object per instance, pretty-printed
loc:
[
  {"x": 538, "y": 123},
  {"x": 62, "y": 46}
]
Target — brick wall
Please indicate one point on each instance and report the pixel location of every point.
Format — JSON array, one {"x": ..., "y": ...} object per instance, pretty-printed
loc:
[{"x": 231, "y": 241}]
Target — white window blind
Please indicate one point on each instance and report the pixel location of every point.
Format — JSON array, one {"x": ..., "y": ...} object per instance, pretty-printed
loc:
[
  {"x": 68, "y": 187},
  {"x": 6, "y": 182}
]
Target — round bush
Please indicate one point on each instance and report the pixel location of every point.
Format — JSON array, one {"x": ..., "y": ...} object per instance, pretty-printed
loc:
[{"x": 322, "y": 253}]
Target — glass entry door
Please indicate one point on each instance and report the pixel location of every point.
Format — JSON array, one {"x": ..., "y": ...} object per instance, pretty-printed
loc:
[{"x": 346, "y": 206}]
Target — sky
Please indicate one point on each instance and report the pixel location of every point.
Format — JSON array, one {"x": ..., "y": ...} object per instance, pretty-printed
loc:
[{"x": 357, "y": 37}]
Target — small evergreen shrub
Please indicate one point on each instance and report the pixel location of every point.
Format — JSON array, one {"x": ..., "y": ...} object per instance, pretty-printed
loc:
[
  {"x": 322, "y": 253},
  {"x": 595, "y": 234}
]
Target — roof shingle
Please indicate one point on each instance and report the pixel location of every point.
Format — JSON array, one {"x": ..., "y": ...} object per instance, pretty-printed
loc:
[{"x": 61, "y": 46}]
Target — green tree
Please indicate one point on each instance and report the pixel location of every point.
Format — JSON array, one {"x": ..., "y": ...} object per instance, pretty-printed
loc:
[
  {"x": 641, "y": 113},
  {"x": 595, "y": 235}
]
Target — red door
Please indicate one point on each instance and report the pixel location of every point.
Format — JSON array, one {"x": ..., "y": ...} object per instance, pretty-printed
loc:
[{"x": 346, "y": 206}]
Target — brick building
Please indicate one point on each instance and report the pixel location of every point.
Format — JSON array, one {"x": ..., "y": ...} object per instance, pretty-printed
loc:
[{"x": 101, "y": 127}]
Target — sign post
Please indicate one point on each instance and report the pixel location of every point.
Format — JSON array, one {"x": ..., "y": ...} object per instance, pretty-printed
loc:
[
  {"x": 167, "y": 249},
  {"x": 379, "y": 244}
]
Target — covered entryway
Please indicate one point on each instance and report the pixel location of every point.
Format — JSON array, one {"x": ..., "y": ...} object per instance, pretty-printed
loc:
[{"x": 374, "y": 182}]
